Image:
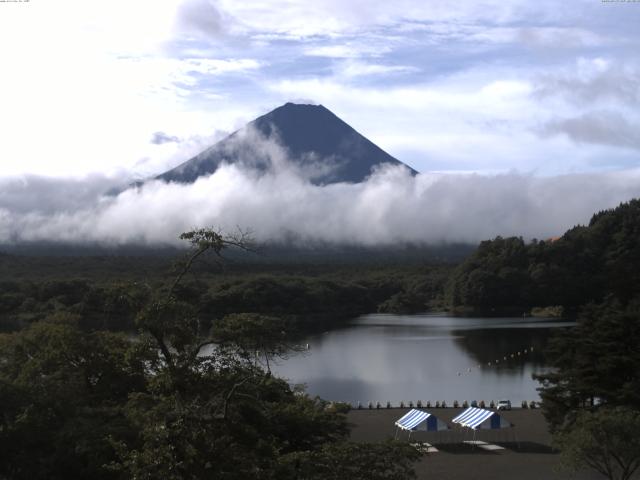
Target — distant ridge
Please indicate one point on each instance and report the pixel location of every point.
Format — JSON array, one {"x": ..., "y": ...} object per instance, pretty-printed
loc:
[{"x": 315, "y": 140}]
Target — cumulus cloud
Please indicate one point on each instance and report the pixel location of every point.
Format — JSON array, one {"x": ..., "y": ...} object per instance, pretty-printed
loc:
[
  {"x": 159, "y": 138},
  {"x": 599, "y": 101},
  {"x": 305, "y": 19},
  {"x": 347, "y": 51},
  {"x": 391, "y": 207},
  {"x": 592, "y": 81},
  {"x": 351, "y": 69},
  {"x": 557, "y": 37},
  {"x": 202, "y": 18},
  {"x": 607, "y": 128},
  {"x": 169, "y": 151},
  {"x": 44, "y": 196}
]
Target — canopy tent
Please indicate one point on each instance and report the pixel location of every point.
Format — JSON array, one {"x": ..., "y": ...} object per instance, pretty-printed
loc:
[
  {"x": 419, "y": 420},
  {"x": 479, "y": 418}
]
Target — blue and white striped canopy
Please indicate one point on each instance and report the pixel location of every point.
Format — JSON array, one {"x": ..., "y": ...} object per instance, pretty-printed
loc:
[
  {"x": 419, "y": 420},
  {"x": 480, "y": 418}
]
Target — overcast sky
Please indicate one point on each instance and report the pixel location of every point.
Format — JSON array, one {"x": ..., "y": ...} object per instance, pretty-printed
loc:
[
  {"x": 523, "y": 116},
  {"x": 543, "y": 87}
]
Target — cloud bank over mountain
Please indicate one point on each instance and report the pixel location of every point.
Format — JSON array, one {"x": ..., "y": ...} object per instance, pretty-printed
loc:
[{"x": 391, "y": 207}]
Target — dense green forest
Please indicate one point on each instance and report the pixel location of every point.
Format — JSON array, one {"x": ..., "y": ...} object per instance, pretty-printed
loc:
[
  {"x": 586, "y": 264},
  {"x": 105, "y": 291},
  {"x": 591, "y": 396}
]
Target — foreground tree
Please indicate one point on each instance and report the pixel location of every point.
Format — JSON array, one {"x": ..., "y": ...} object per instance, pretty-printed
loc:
[
  {"x": 256, "y": 336},
  {"x": 597, "y": 362},
  {"x": 211, "y": 411},
  {"x": 606, "y": 440},
  {"x": 181, "y": 401},
  {"x": 592, "y": 397},
  {"x": 63, "y": 393},
  {"x": 338, "y": 461}
]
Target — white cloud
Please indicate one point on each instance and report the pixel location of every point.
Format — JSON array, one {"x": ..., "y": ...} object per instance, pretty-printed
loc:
[
  {"x": 202, "y": 18},
  {"x": 29, "y": 194},
  {"x": 595, "y": 80},
  {"x": 347, "y": 51},
  {"x": 392, "y": 206},
  {"x": 503, "y": 96},
  {"x": 333, "y": 17},
  {"x": 85, "y": 93},
  {"x": 602, "y": 127},
  {"x": 352, "y": 69},
  {"x": 596, "y": 102},
  {"x": 97, "y": 115},
  {"x": 85, "y": 85}
]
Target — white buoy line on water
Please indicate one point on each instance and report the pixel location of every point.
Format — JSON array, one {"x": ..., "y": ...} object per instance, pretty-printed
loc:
[{"x": 505, "y": 358}]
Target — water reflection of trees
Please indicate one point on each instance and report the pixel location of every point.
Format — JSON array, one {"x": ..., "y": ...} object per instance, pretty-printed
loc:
[{"x": 494, "y": 344}]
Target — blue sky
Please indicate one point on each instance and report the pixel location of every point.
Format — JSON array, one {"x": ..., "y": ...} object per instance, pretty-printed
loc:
[{"x": 542, "y": 88}]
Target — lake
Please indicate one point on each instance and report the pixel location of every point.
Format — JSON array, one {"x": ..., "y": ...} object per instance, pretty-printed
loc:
[{"x": 396, "y": 358}]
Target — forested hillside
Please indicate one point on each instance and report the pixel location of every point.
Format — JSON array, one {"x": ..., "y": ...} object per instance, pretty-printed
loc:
[
  {"x": 584, "y": 265},
  {"x": 104, "y": 293}
]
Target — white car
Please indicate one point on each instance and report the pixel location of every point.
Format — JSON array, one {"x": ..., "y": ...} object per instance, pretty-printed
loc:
[{"x": 504, "y": 405}]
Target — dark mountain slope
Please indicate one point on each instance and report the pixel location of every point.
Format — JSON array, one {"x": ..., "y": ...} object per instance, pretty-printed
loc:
[{"x": 315, "y": 140}]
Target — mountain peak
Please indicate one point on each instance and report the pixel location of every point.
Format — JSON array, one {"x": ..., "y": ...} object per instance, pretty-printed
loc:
[
  {"x": 292, "y": 105},
  {"x": 313, "y": 138}
]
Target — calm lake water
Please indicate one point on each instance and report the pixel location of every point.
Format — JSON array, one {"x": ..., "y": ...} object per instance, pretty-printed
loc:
[{"x": 395, "y": 358}]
